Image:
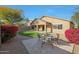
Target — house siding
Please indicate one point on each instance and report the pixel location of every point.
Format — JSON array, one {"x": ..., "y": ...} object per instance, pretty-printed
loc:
[{"x": 65, "y": 25}]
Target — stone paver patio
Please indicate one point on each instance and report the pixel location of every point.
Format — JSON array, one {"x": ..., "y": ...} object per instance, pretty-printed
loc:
[{"x": 34, "y": 47}]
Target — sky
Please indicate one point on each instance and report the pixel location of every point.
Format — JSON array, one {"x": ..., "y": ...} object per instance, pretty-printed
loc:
[{"x": 37, "y": 11}]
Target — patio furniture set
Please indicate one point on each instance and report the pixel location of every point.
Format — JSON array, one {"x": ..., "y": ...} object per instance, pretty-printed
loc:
[{"x": 49, "y": 39}]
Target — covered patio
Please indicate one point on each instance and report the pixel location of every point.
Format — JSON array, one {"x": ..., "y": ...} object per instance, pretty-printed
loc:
[{"x": 46, "y": 27}]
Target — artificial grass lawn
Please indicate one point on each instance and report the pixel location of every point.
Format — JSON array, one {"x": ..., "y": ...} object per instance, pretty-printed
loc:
[{"x": 29, "y": 33}]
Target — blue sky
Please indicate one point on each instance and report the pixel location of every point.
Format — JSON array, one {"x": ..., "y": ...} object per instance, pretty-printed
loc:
[{"x": 36, "y": 11}]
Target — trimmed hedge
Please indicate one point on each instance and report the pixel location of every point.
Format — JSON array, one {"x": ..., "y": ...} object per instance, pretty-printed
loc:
[{"x": 8, "y": 31}]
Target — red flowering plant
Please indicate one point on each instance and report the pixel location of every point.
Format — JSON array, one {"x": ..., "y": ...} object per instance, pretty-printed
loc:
[
  {"x": 8, "y": 31},
  {"x": 72, "y": 35}
]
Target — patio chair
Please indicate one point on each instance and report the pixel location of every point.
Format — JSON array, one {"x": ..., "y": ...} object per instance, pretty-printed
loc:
[
  {"x": 55, "y": 38},
  {"x": 46, "y": 40}
]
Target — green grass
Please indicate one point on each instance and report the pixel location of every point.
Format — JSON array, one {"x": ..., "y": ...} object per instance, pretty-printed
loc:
[{"x": 29, "y": 33}]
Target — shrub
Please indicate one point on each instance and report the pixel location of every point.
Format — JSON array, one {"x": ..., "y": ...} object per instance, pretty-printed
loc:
[
  {"x": 72, "y": 35},
  {"x": 8, "y": 32}
]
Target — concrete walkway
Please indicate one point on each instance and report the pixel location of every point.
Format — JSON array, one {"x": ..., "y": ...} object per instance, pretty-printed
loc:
[
  {"x": 34, "y": 47},
  {"x": 14, "y": 46}
]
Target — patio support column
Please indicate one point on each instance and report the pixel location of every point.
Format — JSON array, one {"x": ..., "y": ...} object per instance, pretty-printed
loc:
[
  {"x": 51, "y": 29},
  {"x": 36, "y": 27},
  {"x": 46, "y": 28}
]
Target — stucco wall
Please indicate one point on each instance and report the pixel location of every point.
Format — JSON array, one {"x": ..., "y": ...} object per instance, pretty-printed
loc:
[
  {"x": 38, "y": 22},
  {"x": 49, "y": 29},
  {"x": 65, "y": 26}
]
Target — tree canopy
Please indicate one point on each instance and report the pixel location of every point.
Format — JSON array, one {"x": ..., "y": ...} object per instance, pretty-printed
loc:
[
  {"x": 75, "y": 18},
  {"x": 10, "y": 14}
]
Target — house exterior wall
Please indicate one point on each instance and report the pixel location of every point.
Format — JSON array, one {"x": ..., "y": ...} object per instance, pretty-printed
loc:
[
  {"x": 55, "y": 21},
  {"x": 49, "y": 29},
  {"x": 65, "y": 25},
  {"x": 39, "y": 24}
]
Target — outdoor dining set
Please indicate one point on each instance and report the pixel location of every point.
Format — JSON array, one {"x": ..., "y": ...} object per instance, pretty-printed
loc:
[{"x": 48, "y": 39}]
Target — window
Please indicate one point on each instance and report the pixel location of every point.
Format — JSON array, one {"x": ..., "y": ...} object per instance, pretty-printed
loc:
[
  {"x": 60, "y": 26},
  {"x": 57, "y": 26}
]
